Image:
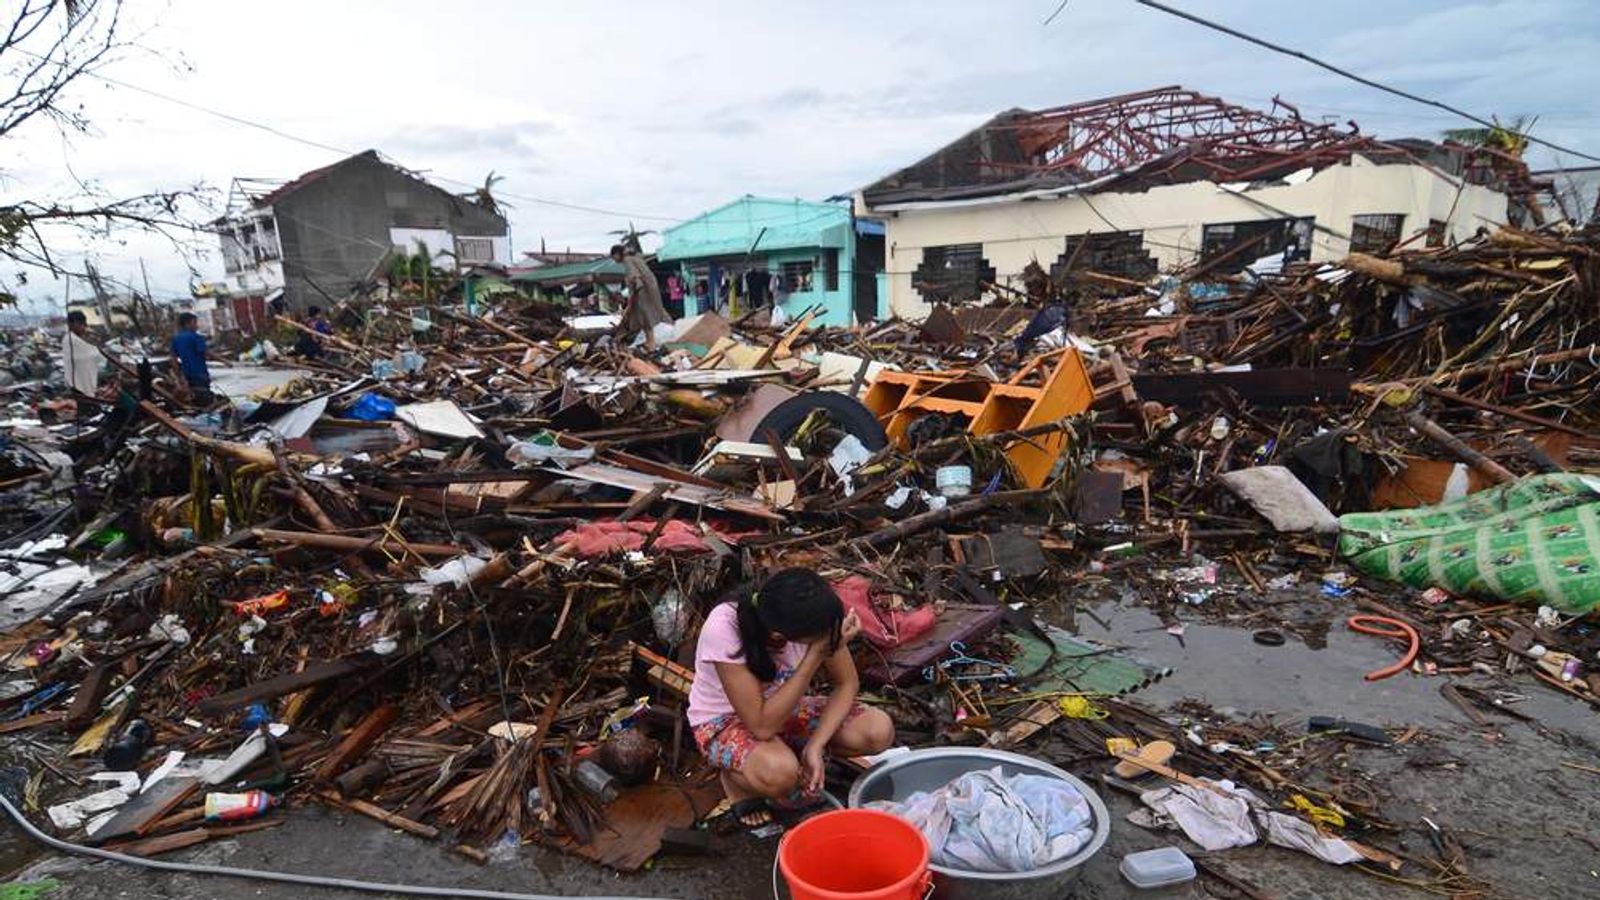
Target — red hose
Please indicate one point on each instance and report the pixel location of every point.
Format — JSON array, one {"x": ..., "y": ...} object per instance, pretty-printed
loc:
[{"x": 1393, "y": 628}]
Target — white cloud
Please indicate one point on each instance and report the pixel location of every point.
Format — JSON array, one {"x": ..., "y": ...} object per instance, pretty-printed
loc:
[{"x": 664, "y": 110}]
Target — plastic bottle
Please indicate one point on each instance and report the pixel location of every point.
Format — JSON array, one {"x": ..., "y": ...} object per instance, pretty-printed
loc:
[{"x": 238, "y": 807}]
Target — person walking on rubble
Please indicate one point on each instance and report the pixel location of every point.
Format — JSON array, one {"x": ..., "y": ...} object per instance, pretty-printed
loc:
[
  {"x": 309, "y": 345},
  {"x": 751, "y": 708},
  {"x": 189, "y": 346},
  {"x": 644, "y": 310}
]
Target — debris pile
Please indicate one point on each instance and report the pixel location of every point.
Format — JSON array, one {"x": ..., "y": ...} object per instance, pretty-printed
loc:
[{"x": 447, "y": 574}]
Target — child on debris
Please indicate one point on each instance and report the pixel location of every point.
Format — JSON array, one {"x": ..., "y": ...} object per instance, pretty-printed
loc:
[{"x": 751, "y": 708}]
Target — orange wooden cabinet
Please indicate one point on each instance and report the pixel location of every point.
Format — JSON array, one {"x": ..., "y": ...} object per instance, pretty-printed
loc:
[{"x": 1051, "y": 386}]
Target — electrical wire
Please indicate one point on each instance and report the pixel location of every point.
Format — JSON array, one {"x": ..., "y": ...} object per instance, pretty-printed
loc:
[
  {"x": 1345, "y": 73},
  {"x": 278, "y": 132},
  {"x": 322, "y": 881}
]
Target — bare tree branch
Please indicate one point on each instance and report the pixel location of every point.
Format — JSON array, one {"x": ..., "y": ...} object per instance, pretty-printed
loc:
[{"x": 46, "y": 47}]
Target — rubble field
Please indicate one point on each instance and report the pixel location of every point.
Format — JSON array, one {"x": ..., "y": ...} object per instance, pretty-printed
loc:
[{"x": 427, "y": 604}]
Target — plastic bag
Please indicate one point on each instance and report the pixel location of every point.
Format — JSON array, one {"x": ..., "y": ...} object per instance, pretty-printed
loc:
[{"x": 372, "y": 408}]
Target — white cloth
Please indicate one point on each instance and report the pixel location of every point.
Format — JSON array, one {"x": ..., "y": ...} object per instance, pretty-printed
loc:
[
  {"x": 80, "y": 364},
  {"x": 1218, "y": 822},
  {"x": 1213, "y": 821},
  {"x": 989, "y": 822},
  {"x": 1298, "y": 834}
]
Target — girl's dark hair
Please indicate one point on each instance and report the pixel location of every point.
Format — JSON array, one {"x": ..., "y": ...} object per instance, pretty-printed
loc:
[{"x": 796, "y": 603}]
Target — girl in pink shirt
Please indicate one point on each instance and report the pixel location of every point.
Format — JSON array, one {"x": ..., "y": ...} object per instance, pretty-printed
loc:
[{"x": 750, "y": 706}]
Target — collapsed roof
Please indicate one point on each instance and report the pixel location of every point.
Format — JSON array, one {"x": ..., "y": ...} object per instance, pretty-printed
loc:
[{"x": 1167, "y": 135}]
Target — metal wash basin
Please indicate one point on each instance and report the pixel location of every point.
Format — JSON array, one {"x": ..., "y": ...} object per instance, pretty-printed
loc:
[{"x": 924, "y": 770}]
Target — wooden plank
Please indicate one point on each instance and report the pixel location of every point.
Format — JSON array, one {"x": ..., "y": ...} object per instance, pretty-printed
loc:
[
  {"x": 33, "y": 721},
  {"x": 358, "y": 741},
  {"x": 91, "y": 693},
  {"x": 352, "y": 544},
  {"x": 143, "y": 813},
  {"x": 311, "y": 676},
  {"x": 374, "y": 811},
  {"x": 720, "y": 498},
  {"x": 965, "y": 622},
  {"x": 166, "y": 843},
  {"x": 635, "y": 822}
]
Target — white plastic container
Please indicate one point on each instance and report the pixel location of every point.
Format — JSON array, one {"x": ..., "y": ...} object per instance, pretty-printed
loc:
[
  {"x": 1161, "y": 867},
  {"x": 953, "y": 481}
]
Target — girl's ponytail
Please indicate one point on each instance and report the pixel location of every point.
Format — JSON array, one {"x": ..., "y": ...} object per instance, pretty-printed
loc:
[{"x": 753, "y": 636}]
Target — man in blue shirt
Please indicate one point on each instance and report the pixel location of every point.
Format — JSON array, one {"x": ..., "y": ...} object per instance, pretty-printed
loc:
[{"x": 189, "y": 346}]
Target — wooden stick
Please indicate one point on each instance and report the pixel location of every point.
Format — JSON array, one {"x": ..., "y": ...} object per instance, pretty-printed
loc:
[
  {"x": 244, "y": 453},
  {"x": 374, "y": 811},
  {"x": 350, "y": 544},
  {"x": 923, "y": 521},
  {"x": 1436, "y": 433},
  {"x": 1506, "y": 411},
  {"x": 331, "y": 338}
]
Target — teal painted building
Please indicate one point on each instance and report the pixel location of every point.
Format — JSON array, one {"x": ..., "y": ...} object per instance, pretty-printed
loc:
[{"x": 756, "y": 250}]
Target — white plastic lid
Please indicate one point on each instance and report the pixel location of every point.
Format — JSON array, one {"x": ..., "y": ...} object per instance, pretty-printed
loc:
[{"x": 1157, "y": 868}]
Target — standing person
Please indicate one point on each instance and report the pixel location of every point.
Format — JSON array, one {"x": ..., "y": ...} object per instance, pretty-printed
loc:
[
  {"x": 644, "y": 310},
  {"x": 189, "y": 346},
  {"x": 751, "y": 706},
  {"x": 310, "y": 345},
  {"x": 675, "y": 296},
  {"x": 80, "y": 359}
]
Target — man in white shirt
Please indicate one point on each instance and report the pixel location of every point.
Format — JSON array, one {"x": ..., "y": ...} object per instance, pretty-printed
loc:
[{"x": 80, "y": 359}]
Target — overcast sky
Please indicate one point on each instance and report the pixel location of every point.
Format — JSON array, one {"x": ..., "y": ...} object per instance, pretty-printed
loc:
[{"x": 660, "y": 110}]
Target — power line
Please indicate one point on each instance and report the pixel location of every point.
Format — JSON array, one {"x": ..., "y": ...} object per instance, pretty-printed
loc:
[
  {"x": 1288, "y": 51},
  {"x": 278, "y": 132}
]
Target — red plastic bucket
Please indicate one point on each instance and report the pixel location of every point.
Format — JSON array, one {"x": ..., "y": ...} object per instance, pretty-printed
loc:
[{"x": 855, "y": 854}]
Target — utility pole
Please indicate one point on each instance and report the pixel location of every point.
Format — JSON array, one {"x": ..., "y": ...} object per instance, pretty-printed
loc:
[
  {"x": 101, "y": 300},
  {"x": 150, "y": 302}
]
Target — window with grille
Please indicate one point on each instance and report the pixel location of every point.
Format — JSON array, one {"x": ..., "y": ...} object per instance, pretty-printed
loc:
[
  {"x": 796, "y": 275},
  {"x": 955, "y": 273},
  {"x": 830, "y": 269},
  {"x": 475, "y": 250},
  {"x": 1242, "y": 243},
  {"x": 1118, "y": 253},
  {"x": 1375, "y": 232}
]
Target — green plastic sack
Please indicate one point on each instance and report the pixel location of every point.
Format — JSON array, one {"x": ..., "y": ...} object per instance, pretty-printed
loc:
[
  {"x": 1535, "y": 540},
  {"x": 28, "y": 890}
]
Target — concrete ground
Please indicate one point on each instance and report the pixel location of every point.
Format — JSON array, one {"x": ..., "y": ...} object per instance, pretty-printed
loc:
[{"x": 1525, "y": 820}]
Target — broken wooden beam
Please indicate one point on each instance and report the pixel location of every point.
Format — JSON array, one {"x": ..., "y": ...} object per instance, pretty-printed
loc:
[
  {"x": 923, "y": 521},
  {"x": 1433, "y": 431},
  {"x": 348, "y": 544},
  {"x": 311, "y": 676},
  {"x": 358, "y": 741},
  {"x": 86, "y": 703}
]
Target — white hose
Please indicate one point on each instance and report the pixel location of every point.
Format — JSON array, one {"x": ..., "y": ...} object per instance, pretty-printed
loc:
[{"x": 260, "y": 875}]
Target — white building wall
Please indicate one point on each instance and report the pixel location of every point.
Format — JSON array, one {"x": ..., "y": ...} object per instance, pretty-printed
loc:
[
  {"x": 1172, "y": 219},
  {"x": 261, "y": 278},
  {"x": 441, "y": 244}
]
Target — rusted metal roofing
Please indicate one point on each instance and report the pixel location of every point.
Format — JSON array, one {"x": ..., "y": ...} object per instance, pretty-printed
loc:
[{"x": 1167, "y": 135}]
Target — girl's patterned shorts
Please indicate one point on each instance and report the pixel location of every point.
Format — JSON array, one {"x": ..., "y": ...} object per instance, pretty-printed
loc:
[{"x": 726, "y": 740}]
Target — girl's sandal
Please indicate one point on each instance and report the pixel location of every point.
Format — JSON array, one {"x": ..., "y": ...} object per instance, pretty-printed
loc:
[{"x": 751, "y": 812}]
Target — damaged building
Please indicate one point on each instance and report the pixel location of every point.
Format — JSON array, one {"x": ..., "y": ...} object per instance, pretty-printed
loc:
[
  {"x": 1132, "y": 185},
  {"x": 318, "y": 236}
]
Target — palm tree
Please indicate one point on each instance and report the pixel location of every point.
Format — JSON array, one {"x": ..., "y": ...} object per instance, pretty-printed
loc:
[{"x": 1508, "y": 138}]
